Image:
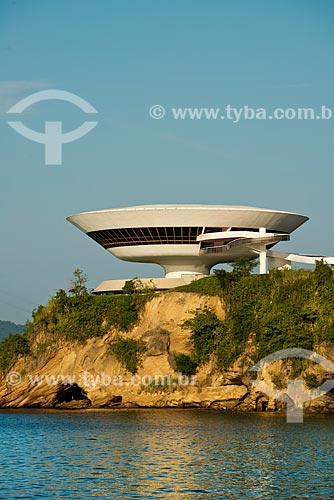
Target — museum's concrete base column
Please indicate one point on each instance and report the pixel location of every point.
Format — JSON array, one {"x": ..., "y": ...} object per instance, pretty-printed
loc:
[{"x": 263, "y": 261}]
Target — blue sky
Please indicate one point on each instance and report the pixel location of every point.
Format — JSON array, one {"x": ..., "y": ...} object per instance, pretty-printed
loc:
[{"x": 123, "y": 57}]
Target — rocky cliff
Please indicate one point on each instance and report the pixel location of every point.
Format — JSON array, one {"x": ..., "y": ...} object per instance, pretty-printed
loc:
[{"x": 83, "y": 375}]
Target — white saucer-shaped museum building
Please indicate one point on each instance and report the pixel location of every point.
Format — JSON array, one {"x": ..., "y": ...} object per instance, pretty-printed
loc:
[{"x": 188, "y": 240}]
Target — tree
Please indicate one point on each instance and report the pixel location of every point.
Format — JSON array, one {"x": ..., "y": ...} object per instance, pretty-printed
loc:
[
  {"x": 78, "y": 283},
  {"x": 63, "y": 301},
  {"x": 137, "y": 287},
  {"x": 322, "y": 272},
  {"x": 244, "y": 266},
  {"x": 131, "y": 286},
  {"x": 224, "y": 277}
]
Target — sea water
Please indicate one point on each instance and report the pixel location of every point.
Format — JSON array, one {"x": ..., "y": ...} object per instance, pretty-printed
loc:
[{"x": 166, "y": 453}]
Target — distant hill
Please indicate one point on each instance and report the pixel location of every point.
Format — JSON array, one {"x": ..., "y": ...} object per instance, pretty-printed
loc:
[{"x": 7, "y": 327}]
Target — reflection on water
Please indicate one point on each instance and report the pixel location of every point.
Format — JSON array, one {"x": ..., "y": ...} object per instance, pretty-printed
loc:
[{"x": 172, "y": 454}]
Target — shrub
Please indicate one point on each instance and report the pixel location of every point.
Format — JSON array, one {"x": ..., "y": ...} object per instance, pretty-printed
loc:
[
  {"x": 224, "y": 278},
  {"x": 278, "y": 310},
  {"x": 298, "y": 366},
  {"x": 128, "y": 352},
  {"x": 322, "y": 273},
  {"x": 244, "y": 266},
  {"x": 209, "y": 335},
  {"x": 204, "y": 327},
  {"x": 84, "y": 316},
  {"x": 136, "y": 286},
  {"x": 11, "y": 348},
  {"x": 228, "y": 349},
  {"x": 185, "y": 364},
  {"x": 278, "y": 381},
  {"x": 311, "y": 380}
]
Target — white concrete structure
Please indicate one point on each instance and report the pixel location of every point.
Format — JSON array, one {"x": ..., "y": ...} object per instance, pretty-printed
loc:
[
  {"x": 283, "y": 259},
  {"x": 159, "y": 284},
  {"x": 187, "y": 240}
]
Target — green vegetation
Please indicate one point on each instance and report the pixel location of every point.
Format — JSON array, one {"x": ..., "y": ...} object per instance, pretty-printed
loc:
[
  {"x": 75, "y": 315},
  {"x": 269, "y": 312},
  {"x": 85, "y": 316},
  {"x": 243, "y": 266},
  {"x": 209, "y": 335},
  {"x": 11, "y": 348},
  {"x": 78, "y": 285},
  {"x": 206, "y": 329},
  {"x": 278, "y": 381},
  {"x": 311, "y": 380},
  {"x": 79, "y": 315},
  {"x": 128, "y": 352},
  {"x": 298, "y": 366},
  {"x": 203, "y": 286},
  {"x": 298, "y": 371},
  {"x": 185, "y": 364},
  {"x": 264, "y": 313},
  {"x": 135, "y": 287},
  {"x": 213, "y": 285}
]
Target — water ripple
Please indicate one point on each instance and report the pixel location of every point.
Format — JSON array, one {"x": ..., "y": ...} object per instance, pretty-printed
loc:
[{"x": 164, "y": 454}]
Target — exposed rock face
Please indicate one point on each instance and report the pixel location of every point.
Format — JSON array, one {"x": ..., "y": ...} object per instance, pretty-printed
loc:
[{"x": 89, "y": 376}]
